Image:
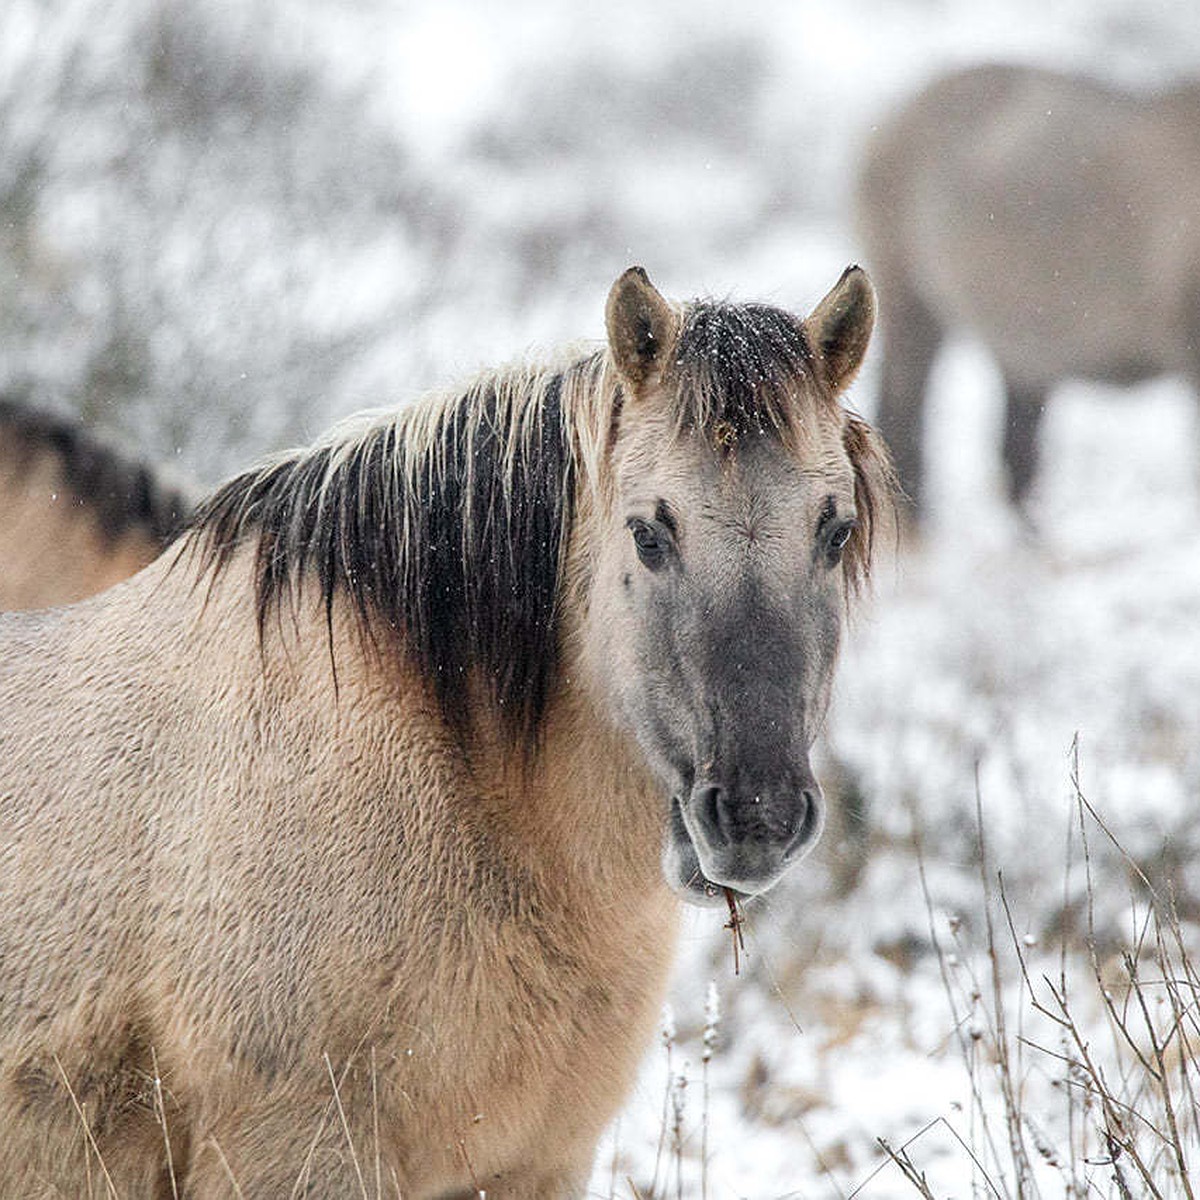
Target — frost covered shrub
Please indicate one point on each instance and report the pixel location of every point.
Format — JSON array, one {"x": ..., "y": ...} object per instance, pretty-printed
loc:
[{"x": 205, "y": 233}]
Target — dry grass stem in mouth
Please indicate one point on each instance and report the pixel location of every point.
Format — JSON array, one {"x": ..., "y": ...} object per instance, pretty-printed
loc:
[{"x": 734, "y": 925}]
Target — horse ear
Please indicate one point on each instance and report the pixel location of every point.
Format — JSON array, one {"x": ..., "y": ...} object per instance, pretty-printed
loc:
[
  {"x": 642, "y": 327},
  {"x": 839, "y": 328}
]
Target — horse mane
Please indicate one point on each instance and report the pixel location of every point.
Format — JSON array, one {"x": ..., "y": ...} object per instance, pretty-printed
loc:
[
  {"x": 447, "y": 521},
  {"x": 123, "y": 495}
]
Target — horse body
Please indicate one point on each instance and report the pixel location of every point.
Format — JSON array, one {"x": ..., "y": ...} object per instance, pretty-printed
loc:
[
  {"x": 1051, "y": 216},
  {"x": 76, "y": 516},
  {"x": 445, "y": 969},
  {"x": 371, "y": 927}
]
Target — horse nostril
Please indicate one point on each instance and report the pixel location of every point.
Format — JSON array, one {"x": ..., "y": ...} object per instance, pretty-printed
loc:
[
  {"x": 708, "y": 802},
  {"x": 808, "y": 820}
]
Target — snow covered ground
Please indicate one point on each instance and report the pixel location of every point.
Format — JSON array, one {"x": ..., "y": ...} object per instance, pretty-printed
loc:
[{"x": 436, "y": 186}]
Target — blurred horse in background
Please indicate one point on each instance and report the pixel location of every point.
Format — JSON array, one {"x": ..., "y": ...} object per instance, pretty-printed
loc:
[
  {"x": 386, "y": 779},
  {"x": 1055, "y": 218},
  {"x": 76, "y": 515}
]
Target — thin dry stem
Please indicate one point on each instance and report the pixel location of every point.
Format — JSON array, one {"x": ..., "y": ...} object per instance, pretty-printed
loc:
[
  {"x": 1016, "y": 1140},
  {"x": 160, "y": 1112},
  {"x": 668, "y": 1040},
  {"x": 678, "y": 1090},
  {"x": 87, "y": 1129},
  {"x": 908, "y": 1169},
  {"x": 233, "y": 1183},
  {"x": 960, "y": 1019},
  {"x": 337, "y": 1099},
  {"x": 1141, "y": 1105},
  {"x": 1162, "y": 1078},
  {"x": 375, "y": 1127},
  {"x": 462, "y": 1150},
  {"x": 734, "y": 925}
]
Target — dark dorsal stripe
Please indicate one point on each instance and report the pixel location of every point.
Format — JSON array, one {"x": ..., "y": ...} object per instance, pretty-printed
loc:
[{"x": 122, "y": 495}]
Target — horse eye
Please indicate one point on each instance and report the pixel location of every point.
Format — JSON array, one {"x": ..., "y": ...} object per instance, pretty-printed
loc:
[
  {"x": 651, "y": 545},
  {"x": 838, "y": 538}
]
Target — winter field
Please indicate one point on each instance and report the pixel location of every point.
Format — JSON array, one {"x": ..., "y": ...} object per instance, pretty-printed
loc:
[{"x": 225, "y": 225}]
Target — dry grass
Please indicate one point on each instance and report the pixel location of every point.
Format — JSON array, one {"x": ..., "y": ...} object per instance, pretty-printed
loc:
[
  {"x": 1117, "y": 1033},
  {"x": 1079, "y": 1048}
]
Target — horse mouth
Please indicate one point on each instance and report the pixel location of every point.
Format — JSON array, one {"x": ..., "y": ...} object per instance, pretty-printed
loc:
[{"x": 684, "y": 853}]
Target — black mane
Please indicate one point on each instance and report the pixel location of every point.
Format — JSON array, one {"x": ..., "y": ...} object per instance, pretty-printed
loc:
[
  {"x": 451, "y": 533},
  {"x": 741, "y": 365}
]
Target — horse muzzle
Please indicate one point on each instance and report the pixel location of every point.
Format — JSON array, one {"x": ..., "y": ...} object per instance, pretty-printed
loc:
[{"x": 740, "y": 838}]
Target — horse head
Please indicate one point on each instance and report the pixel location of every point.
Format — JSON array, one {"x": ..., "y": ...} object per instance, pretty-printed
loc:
[{"x": 740, "y": 515}]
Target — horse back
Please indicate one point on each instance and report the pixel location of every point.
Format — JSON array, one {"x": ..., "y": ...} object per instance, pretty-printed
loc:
[
  {"x": 76, "y": 516},
  {"x": 1071, "y": 199}
]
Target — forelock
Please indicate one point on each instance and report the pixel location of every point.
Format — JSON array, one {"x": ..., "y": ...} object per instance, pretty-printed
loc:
[{"x": 740, "y": 368}]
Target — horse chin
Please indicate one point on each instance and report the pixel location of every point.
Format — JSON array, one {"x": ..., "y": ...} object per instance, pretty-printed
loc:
[{"x": 681, "y": 866}]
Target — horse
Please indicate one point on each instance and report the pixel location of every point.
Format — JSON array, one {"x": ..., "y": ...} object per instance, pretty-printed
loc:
[
  {"x": 76, "y": 515},
  {"x": 386, "y": 781},
  {"x": 1053, "y": 217}
]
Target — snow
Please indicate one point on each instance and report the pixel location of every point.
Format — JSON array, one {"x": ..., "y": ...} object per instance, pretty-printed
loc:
[{"x": 427, "y": 188}]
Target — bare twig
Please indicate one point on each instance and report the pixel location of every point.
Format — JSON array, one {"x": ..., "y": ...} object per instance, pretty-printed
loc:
[
  {"x": 734, "y": 925},
  {"x": 233, "y": 1183},
  {"x": 712, "y": 1020},
  {"x": 480, "y": 1194},
  {"x": 161, "y": 1112},
  {"x": 87, "y": 1128},
  {"x": 668, "y": 1041},
  {"x": 375, "y": 1126},
  {"x": 1016, "y": 1139},
  {"x": 1162, "y": 1078},
  {"x": 337, "y": 1099}
]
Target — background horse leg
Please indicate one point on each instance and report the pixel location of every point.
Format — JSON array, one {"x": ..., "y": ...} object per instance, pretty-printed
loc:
[
  {"x": 911, "y": 337},
  {"x": 1192, "y": 373},
  {"x": 1024, "y": 409}
]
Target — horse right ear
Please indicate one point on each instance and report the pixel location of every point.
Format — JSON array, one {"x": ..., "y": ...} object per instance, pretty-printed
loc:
[
  {"x": 839, "y": 328},
  {"x": 642, "y": 327}
]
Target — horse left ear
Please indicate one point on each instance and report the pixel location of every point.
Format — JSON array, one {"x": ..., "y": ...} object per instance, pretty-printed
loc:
[
  {"x": 839, "y": 328},
  {"x": 642, "y": 327}
]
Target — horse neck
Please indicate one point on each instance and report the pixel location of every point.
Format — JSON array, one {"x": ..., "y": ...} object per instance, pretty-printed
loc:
[
  {"x": 581, "y": 803},
  {"x": 577, "y": 805},
  {"x": 576, "y": 812},
  {"x": 598, "y": 783},
  {"x": 594, "y": 789}
]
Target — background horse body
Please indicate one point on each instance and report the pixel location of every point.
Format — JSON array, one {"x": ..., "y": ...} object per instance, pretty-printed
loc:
[
  {"x": 1053, "y": 217},
  {"x": 384, "y": 781},
  {"x": 76, "y": 516}
]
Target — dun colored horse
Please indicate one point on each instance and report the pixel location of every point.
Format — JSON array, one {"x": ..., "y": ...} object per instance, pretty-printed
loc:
[
  {"x": 341, "y": 848},
  {"x": 76, "y": 516},
  {"x": 1055, "y": 218}
]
